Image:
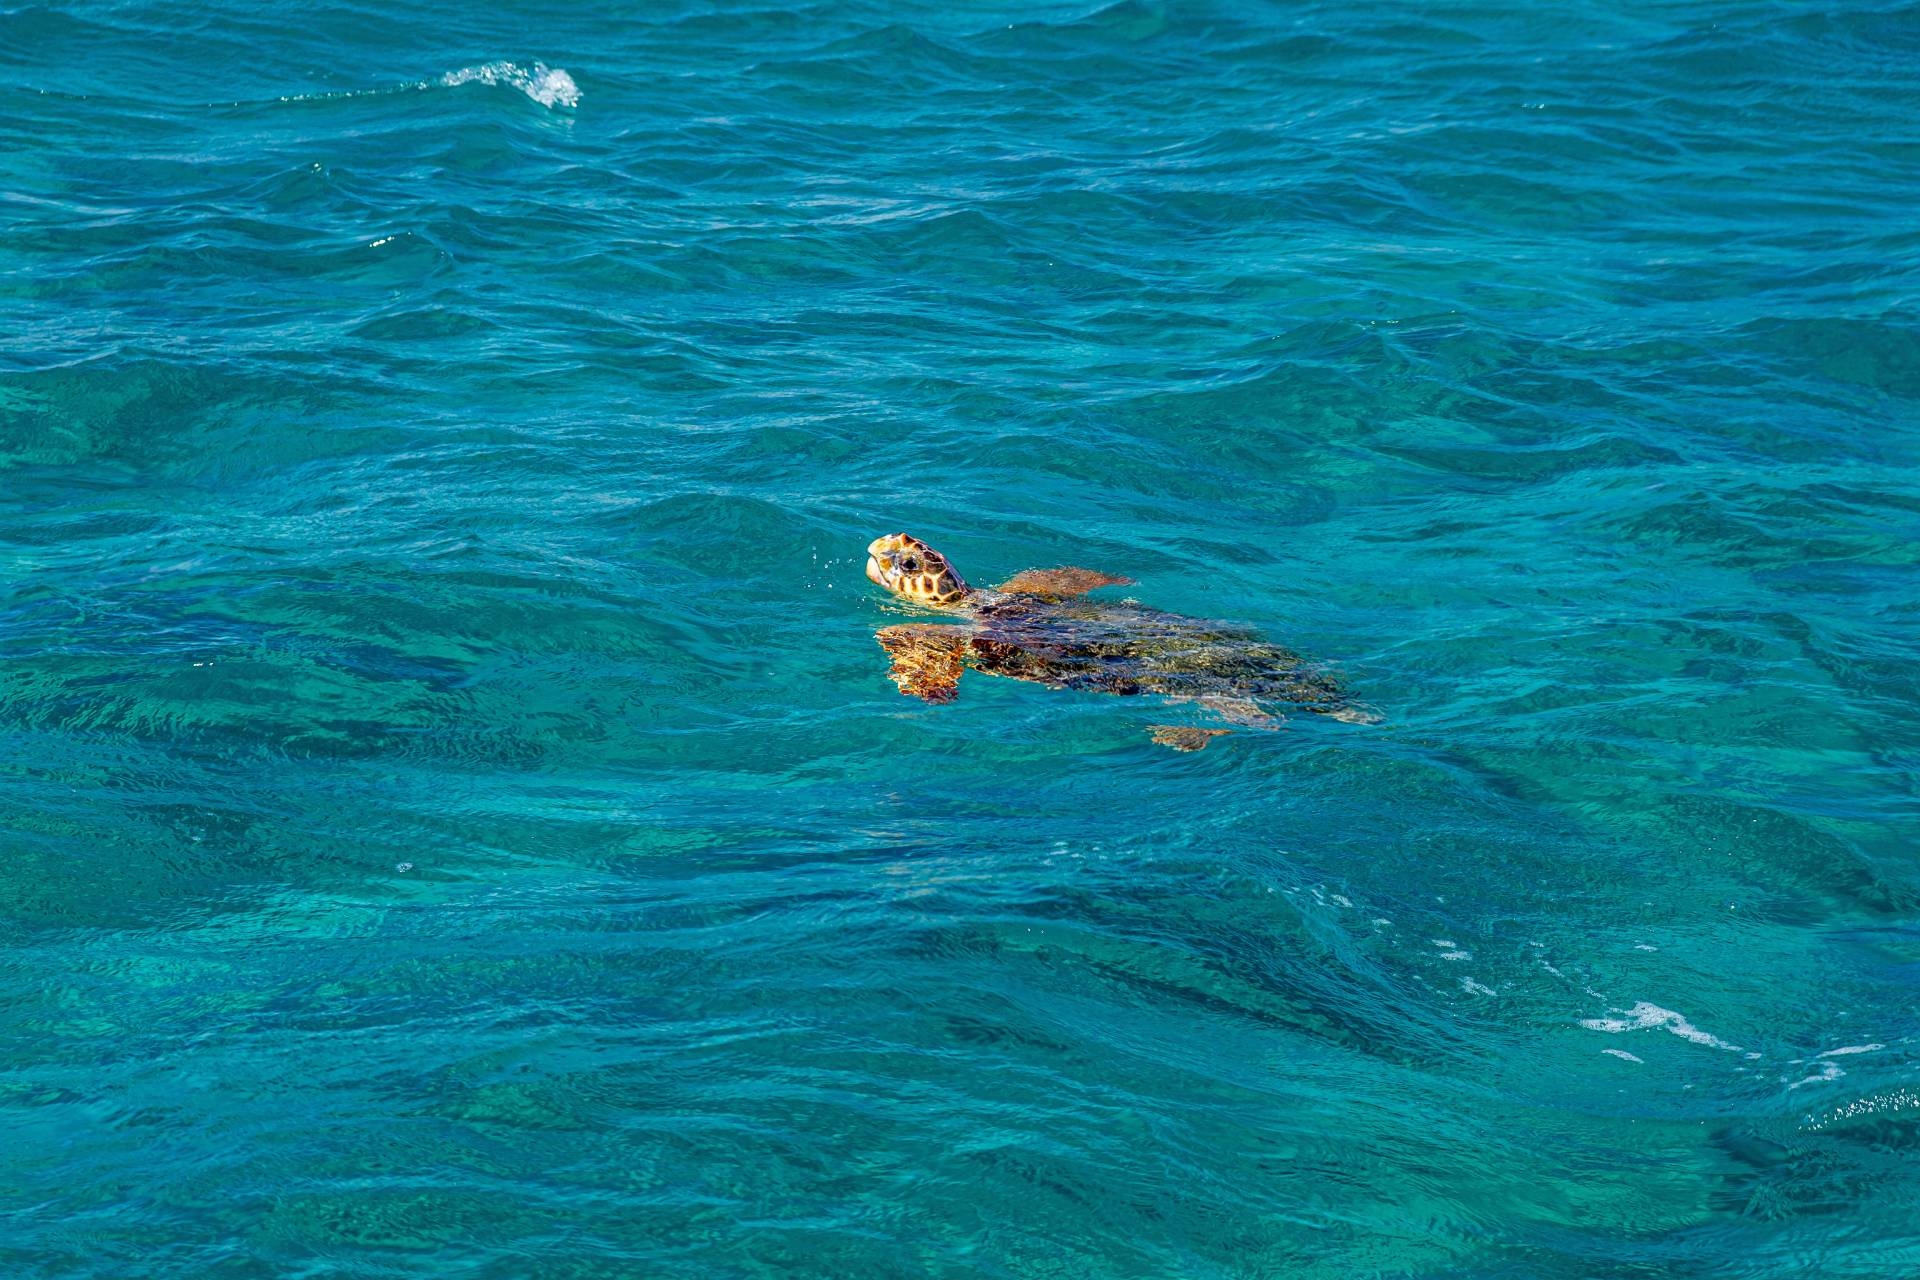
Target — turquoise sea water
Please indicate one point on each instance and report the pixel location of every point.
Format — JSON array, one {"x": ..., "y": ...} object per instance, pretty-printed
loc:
[{"x": 453, "y": 818}]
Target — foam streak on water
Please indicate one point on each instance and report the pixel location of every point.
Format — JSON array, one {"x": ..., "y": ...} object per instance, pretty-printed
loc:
[{"x": 454, "y": 819}]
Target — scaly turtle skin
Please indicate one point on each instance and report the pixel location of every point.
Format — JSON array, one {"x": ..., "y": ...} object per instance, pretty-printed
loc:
[{"x": 1039, "y": 626}]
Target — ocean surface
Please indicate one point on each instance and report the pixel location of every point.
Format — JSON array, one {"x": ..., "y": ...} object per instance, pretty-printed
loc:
[{"x": 454, "y": 820}]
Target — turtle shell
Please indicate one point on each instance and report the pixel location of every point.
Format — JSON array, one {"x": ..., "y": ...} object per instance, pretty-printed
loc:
[{"x": 1123, "y": 647}]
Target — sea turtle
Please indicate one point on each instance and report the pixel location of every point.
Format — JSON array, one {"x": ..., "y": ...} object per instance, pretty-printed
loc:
[{"x": 1040, "y": 626}]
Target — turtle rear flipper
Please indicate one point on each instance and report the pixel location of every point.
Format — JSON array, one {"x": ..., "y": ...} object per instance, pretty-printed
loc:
[
  {"x": 1184, "y": 737},
  {"x": 927, "y": 660},
  {"x": 1061, "y": 583}
]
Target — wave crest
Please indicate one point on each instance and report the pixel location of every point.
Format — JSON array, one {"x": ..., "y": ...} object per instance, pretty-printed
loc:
[{"x": 548, "y": 86}]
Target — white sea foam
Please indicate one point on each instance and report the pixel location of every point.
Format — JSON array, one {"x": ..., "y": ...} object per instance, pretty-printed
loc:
[
  {"x": 1875, "y": 1105},
  {"x": 548, "y": 86},
  {"x": 1622, "y": 1053},
  {"x": 1643, "y": 1016},
  {"x": 1824, "y": 1069},
  {"x": 1822, "y": 1072}
]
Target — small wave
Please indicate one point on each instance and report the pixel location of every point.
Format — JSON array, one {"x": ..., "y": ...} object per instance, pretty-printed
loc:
[{"x": 548, "y": 86}]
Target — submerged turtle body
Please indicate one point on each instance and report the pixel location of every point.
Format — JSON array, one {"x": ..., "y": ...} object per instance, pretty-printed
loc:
[
  {"x": 1039, "y": 626},
  {"x": 1126, "y": 648}
]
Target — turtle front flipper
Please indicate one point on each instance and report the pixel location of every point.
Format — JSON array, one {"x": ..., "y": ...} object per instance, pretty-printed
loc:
[
  {"x": 927, "y": 660},
  {"x": 1241, "y": 711},
  {"x": 1060, "y": 583}
]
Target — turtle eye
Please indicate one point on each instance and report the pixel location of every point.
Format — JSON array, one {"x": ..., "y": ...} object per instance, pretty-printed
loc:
[{"x": 910, "y": 565}]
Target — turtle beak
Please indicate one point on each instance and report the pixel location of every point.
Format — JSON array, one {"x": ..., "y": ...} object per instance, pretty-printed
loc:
[{"x": 880, "y": 558}]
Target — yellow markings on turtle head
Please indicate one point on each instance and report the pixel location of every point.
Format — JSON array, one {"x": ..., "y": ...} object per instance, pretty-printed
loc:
[{"x": 908, "y": 567}]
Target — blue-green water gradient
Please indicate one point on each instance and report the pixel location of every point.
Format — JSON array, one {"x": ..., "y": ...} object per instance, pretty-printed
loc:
[{"x": 453, "y": 818}]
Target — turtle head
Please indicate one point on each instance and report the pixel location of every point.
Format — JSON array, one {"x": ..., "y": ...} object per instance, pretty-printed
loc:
[{"x": 914, "y": 571}]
